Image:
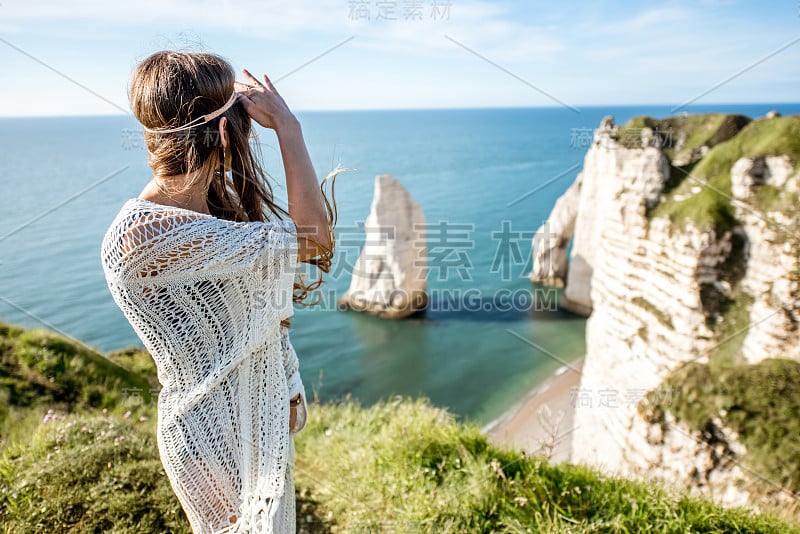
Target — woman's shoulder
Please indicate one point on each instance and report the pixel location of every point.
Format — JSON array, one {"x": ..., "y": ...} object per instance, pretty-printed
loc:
[
  {"x": 140, "y": 220},
  {"x": 139, "y": 206},
  {"x": 140, "y": 225}
]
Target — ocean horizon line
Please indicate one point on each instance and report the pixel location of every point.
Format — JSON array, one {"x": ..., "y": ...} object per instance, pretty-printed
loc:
[{"x": 455, "y": 108}]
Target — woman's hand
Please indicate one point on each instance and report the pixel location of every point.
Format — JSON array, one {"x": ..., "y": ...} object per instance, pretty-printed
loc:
[
  {"x": 296, "y": 400},
  {"x": 263, "y": 103}
]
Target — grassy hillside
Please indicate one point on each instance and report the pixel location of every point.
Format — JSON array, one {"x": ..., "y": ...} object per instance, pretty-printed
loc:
[
  {"x": 683, "y": 136},
  {"x": 405, "y": 466},
  {"x": 398, "y": 466},
  {"x": 88, "y": 473},
  {"x": 42, "y": 370}
]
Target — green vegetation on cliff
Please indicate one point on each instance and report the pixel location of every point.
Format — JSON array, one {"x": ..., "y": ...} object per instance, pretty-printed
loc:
[
  {"x": 88, "y": 473},
  {"x": 683, "y": 136},
  {"x": 760, "y": 402},
  {"x": 406, "y": 464},
  {"x": 397, "y": 466},
  {"x": 700, "y": 192}
]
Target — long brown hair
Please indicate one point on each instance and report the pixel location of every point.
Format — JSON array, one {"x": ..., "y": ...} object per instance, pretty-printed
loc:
[{"x": 169, "y": 89}]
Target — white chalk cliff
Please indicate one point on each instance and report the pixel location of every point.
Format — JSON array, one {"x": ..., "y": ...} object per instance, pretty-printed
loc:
[
  {"x": 552, "y": 239},
  {"x": 581, "y": 213},
  {"x": 651, "y": 285},
  {"x": 773, "y": 270},
  {"x": 389, "y": 278}
]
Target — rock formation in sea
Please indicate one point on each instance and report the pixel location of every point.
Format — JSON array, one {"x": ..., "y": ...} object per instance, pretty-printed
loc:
[
  {"x": 389, "y": 278},
  {"x": 685, "y": 251}
]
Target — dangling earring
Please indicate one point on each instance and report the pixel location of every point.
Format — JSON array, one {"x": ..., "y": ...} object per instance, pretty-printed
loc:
[{"x": 222, "y": 162}]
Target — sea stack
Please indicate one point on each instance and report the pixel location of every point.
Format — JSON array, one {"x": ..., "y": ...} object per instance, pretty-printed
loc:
[{"x": 390, "y": 276}]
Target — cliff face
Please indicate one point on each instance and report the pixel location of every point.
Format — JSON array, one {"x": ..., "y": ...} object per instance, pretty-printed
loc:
[
  {"x": 641, "y": 279},
  {"x": 613, "y": 175},
  {"x": 676, "y": 269},
  {"x": 773, "y": 270}
]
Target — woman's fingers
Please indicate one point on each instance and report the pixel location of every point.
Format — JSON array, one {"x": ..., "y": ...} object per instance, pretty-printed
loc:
[
  {"x": 241, "y": 87},
  {"x": 249, "y": 106},
  {"x": 246, "y": 102},
  {"x": 255, "y": 111},
  {"x": 261, "y": 101},
  {"x": 252, "y": 78},
  {"x": 267, "y": 82}
]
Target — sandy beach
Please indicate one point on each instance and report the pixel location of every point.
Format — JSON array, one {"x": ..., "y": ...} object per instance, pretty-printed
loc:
[{"x": 543, "y": 421}]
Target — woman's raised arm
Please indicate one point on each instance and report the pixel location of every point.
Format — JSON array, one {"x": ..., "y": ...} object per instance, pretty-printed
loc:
[{"x": 306, "y": 203}]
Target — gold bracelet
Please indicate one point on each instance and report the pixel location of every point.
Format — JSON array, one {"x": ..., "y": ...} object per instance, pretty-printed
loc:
[{"x": 295, "y": 401}]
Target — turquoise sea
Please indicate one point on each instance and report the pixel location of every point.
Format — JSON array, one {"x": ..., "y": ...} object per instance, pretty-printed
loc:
[{"x": 485, "y": 178}]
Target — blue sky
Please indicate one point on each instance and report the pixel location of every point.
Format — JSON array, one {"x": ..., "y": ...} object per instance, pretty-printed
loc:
[{"x": 454, "y": 53}]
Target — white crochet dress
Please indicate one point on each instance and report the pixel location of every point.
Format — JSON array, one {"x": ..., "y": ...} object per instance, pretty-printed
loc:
[{"x": 206, "y": 297}]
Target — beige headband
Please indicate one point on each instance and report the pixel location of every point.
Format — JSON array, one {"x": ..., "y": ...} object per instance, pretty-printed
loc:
[{"x": 199, "y": 120}]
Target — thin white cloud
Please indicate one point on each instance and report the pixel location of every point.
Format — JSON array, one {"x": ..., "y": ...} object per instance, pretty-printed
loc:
[
  {"x": 482, "y": 24},
  {"x": 652, "y": 18}
]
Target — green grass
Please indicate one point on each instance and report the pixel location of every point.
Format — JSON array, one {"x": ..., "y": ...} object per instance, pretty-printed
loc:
[
  {"x": 731, "y": 330},
  {"x": 711, "y": 206},
  {"x": 407, "y": 463},
  {"x": 138, "y": 361},
  {"x": 769, "y": 198},
  {"x": 39, "y": 368},
  {"x": 398, "y": 466},
  {"x": 682, "y": 136},
  {"x": 727, "y": 311},
  {"x": 87, "y": 473},
  {"x": 761, "y": 402}
]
